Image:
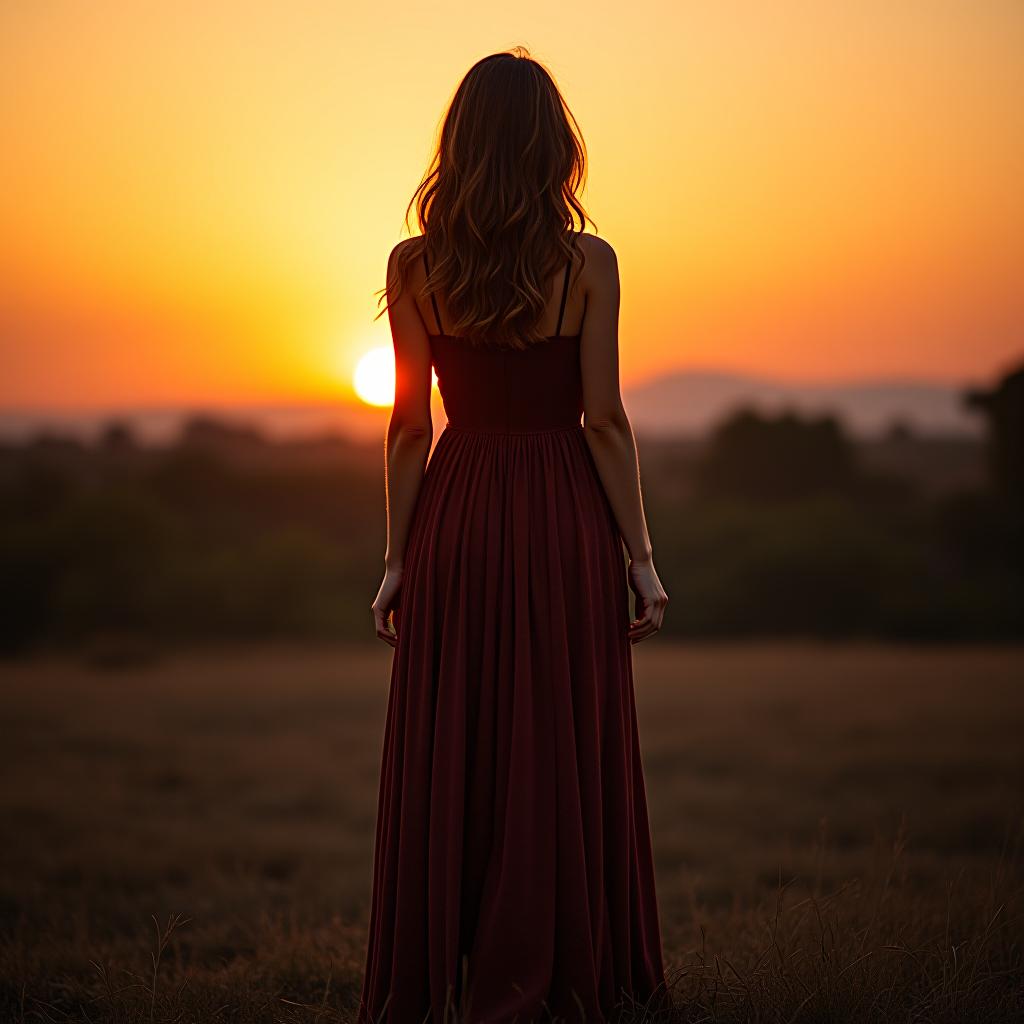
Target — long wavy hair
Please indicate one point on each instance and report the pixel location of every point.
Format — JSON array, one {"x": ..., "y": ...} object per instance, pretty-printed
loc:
[{"x": 498, "y": 206}]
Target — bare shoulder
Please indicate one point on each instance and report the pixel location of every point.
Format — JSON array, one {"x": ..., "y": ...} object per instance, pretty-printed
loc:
[
  {"x": 406, "y": 246},
  {"x": 401, "y": 261},
  {"x": 597, "y": 246},
  {"x": 600, "y": 266},
  {"x": 601, "y": 261}
]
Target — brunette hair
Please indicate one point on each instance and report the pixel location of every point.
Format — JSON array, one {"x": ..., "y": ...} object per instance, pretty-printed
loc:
[{"x": 498, "y": 206}]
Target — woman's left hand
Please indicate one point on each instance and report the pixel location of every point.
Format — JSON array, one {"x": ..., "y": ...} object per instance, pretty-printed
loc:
[{"x": 385, "y": 604}]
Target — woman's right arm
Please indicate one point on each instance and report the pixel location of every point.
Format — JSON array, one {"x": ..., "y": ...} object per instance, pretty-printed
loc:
[{"x": 610, "y": 436}]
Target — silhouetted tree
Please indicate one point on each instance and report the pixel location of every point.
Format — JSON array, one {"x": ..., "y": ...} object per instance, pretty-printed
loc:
[
  {"x": 116, "y": 436},
  {"x": 1004, "y": 408},
  {"x": 214, "y": 434},
  {"x": 754, "y": 456}
]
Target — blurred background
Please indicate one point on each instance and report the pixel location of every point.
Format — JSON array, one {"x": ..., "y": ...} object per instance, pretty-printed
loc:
[{"x": 820, "y": 228}]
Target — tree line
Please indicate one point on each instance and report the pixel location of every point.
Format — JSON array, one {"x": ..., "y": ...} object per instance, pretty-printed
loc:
[{"x": 774, "y": 525}]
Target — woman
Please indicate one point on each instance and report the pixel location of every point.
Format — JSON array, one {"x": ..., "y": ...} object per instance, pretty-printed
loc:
[{"x": 512, "y": 872}]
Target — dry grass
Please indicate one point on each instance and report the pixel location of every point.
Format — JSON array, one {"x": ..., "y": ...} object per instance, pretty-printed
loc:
[{"x": 837, "y": 832}]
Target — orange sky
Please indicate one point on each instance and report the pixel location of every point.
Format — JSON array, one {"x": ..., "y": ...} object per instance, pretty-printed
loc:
[{"x": 197, "y": 200}]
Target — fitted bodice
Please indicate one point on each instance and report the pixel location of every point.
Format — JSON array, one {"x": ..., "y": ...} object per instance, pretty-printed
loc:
[{"x": 509, "y": 390}]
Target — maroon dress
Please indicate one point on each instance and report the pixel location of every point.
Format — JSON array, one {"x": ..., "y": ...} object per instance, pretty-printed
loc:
[{"x": 512, "y": 873}]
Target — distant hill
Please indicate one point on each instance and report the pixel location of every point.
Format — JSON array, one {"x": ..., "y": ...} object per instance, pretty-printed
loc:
[
  {"x": 686, "y": 402},
  {"x": 690, "y": 401}
]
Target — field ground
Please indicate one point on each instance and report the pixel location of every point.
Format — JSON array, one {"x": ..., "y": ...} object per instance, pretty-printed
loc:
[{"x": 837, "y": 832}]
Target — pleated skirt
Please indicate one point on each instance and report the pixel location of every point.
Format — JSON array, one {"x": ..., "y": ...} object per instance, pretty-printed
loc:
[{"x": 513, "y": 877}]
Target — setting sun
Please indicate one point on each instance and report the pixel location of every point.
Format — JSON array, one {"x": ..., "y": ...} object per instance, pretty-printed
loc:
[{"x": 374, "y": 379}]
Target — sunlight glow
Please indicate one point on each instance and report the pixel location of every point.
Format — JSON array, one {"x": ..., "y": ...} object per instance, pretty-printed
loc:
[{"x": 374, "y": 379}]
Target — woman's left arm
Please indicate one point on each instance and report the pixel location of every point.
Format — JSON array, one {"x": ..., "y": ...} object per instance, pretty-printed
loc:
[{"x": 409, "y": 436}]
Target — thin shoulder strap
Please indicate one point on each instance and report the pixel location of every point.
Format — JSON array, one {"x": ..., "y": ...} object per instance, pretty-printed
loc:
[
  {"x": 433, "y": 297},
  {"x": 565, "y": 292}
]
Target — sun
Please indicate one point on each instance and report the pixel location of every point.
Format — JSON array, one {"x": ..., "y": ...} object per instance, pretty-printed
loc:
[{"x": 374, "y": 379}]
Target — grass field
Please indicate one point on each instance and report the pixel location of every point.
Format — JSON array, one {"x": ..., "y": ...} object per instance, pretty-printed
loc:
[{"x": 837, "y": 832}]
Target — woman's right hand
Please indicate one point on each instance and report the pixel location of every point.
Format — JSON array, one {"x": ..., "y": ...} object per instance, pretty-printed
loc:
[
  {"x": 651, "y": 600},
  {"x": 385, "y": 605}
]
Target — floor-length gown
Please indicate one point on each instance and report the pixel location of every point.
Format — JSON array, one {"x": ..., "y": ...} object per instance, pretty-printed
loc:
[{"x": 513, "y": 877}]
